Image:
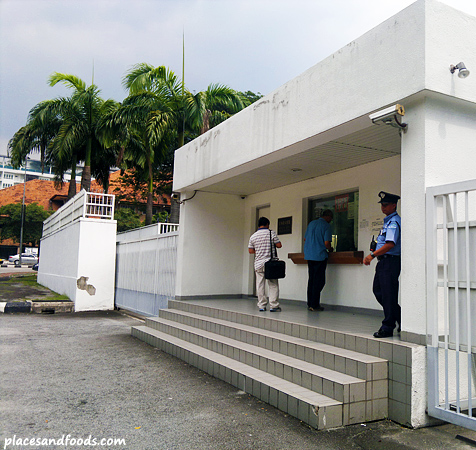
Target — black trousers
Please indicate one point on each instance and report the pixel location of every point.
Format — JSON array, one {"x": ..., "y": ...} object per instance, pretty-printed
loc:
[
  {"x": 385, "y": 289},
  {"x": 317, "y": 281}
]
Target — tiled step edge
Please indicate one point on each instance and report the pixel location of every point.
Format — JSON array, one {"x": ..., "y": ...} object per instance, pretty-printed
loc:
[
  {"x": 352, "y": 363},
  {"x": 310, "y": 407},
  {"x": 350, "y": 341},
  {"x": 312, "y": 333},
  {"x": 344, "y": 388},
  {"x": 363, "y": 401}
]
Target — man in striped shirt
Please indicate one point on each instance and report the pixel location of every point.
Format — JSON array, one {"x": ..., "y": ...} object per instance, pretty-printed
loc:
[{"x": 260, "y": 246}]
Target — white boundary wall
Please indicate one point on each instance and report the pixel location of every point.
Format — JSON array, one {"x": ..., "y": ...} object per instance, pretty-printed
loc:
[{"x": 77, "y": 259}]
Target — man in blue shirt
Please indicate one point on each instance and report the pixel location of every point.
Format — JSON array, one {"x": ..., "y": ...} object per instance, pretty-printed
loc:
[
  {"x": 387, "y": 251},
  {"x": 317, "y": 245}
]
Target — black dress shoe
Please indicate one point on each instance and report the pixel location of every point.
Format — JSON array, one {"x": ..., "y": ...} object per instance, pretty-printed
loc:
[
  {"x": 383, "y": 334},
  {"x": 315, "y": 308}
]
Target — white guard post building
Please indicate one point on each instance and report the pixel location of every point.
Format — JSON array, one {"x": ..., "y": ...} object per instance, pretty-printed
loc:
[{"x": 312, "y": 144}]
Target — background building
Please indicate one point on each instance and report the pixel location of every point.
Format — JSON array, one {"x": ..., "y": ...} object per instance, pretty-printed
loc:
[{"x": 10, "y": 177}]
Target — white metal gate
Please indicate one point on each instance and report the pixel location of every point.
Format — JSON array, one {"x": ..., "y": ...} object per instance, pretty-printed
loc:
[
  {"x": 451, "y": 302},
  {"x": 146, "y": 260}
]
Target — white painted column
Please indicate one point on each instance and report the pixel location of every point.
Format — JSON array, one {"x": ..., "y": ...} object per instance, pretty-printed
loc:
[
  {"x": 412, "y": 210},
  {"x": 210, "y": 247},
  {"x": 438, "y": 149}
]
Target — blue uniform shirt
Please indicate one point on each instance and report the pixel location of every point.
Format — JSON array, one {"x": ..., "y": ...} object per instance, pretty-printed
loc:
[
  {"x": 391, "y": 232},
  {"x": 317, "y": 232}
]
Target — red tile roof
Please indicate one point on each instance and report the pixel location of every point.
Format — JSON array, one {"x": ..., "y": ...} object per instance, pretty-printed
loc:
[
  {"x": 127, "y": 194},
  {"x": 36, "y": 191},
  {"x": 44, "y": 191}
]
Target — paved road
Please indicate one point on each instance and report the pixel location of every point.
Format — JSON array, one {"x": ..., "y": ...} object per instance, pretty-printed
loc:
[
  {"x": 12, "y": 269},
  {"x": 83, "y": 375}
]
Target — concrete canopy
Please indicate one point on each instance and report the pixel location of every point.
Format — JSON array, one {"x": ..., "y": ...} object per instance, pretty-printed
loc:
[
  {"x": 361, "y": 147},
  {"x": 318, "y": 122}
]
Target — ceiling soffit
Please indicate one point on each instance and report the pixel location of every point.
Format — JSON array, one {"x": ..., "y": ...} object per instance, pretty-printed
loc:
[{"x": 362, "y": 147}]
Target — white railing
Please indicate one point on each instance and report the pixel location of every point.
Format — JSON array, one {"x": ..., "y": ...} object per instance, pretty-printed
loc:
[
  {"x": 83, "y": 204},
  {"x": 145, "y": 268},
  {"x": 451, "y": 302},
  {"x": 147, "y": 231}
]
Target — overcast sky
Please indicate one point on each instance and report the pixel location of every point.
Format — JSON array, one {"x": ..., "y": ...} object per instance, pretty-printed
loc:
[{"x": 255, "y": 45}]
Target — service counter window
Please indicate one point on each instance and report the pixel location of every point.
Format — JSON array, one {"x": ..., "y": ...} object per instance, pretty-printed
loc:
[{"x": 345, "y": 208}]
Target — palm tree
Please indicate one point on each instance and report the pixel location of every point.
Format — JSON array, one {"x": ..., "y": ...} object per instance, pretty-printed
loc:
[
  {"x": 81, "y": 129},
  {"x": 39, "y": 134},
  {"x": 195, "y": 113},
  {"x": 67, "y": 131},
  {"x": 143, "y": 124},
  {"x": 40, "y": 129},
  {"x": 207, "y": 109},
  {"x": 188, "y": 112}
]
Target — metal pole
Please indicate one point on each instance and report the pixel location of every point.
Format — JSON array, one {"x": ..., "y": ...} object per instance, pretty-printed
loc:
[{"x": 22, "y": 213}]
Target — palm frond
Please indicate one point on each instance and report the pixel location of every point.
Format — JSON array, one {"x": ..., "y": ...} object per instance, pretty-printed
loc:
[{"x": 68, "y": 80}]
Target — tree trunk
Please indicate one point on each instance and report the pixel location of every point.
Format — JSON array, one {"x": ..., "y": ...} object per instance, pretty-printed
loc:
[
  {"x": 72, "y": 182},
  {"x": 206, "y": 121},
  {"x": 86, "y": 178},
  {"x": 42, "y": 157},
  {"x": 72, "y": 189},
  {"x": 150, "y": 198},
  {"x": 174, "y": 211},
  {"x": 148, "y": 211}
]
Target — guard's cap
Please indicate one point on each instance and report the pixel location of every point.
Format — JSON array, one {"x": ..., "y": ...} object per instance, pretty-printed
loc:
[{"x": 385, "y": 197}]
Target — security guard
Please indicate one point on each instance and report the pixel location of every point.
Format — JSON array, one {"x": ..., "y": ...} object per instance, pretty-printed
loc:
[{"x": 387, "y": 252}]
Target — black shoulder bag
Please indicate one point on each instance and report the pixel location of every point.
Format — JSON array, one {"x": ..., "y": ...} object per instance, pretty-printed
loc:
[{"x": 274, "y": 268}]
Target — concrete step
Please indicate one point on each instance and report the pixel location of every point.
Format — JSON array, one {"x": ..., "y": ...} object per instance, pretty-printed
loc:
[
  {"x": 350, "y": 362},
  {"x": 315, "y": 409},
  {"x": 52, "y": 307},
  {"x": 348, "y": 341},
  {"x": 344, "y": 388}
]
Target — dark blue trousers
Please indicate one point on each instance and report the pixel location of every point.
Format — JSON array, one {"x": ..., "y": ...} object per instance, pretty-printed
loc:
[
  {"x": 317, "y": 281},
  {"x": 385, "y": 289}
]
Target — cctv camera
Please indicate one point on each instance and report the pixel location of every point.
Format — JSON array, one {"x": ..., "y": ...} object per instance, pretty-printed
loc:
[
  {"x": 243, "y": 197},
  {"x": 390, "y": 116},
  {"x": 387, "y": 113},
  {"x": 175, "y": 196}
]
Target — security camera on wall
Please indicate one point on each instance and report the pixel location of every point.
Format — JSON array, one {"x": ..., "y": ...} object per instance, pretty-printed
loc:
[{"x": 390, "y": 116}]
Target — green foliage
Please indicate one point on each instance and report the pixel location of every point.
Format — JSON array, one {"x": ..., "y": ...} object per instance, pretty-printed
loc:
[
  {"x": 83, "y": 129},
  {"x": 127, "y": 219},
  {"x": 250, "y": 97},
  {"x": 10, "y": 222},
  {"x": 161, "y": 217},
  {"x": 158, "y": 116},
  {"x": 68, "y": 130},
  {"x": 133, "y": 187}
]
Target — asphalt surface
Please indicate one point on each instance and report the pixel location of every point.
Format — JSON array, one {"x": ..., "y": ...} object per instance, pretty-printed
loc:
[
  {"x": 85, "y": 376},
  {"x": 12, "y": 270}
]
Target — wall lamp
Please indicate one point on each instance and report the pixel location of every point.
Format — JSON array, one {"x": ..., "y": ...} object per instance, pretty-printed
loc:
[
  {"x": 463, "y": 72},
  {"x": 390, "y": 116}
]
